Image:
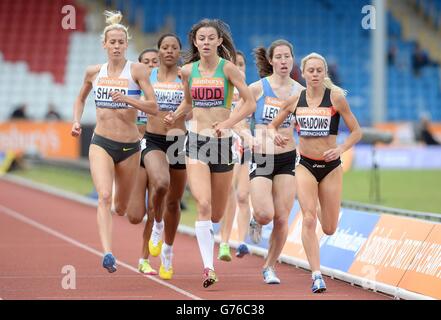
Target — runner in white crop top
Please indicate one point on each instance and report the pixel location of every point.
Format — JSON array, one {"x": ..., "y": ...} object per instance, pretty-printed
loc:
[{"x": 114, "y": 150}]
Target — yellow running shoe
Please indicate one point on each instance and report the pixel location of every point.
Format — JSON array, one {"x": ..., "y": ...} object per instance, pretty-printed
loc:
[
  {"x": 165, "y": 274},
  {"x": 155, "y": 250},
  {"x": 146, "y": 268},
  {"x": 155, "y": 242}
]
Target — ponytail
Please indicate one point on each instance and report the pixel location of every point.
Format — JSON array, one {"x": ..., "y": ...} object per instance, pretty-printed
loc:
[
  {"x": 113, "y": 20},
  {"x": 113, "y": 17},
  {"x": 330, "y": 85},
  {"x": 264, "y": 67}
]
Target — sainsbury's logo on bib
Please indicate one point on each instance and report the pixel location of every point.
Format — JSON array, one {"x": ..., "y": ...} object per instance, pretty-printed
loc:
[
  {"x": 320, "y": 112},
  {"x": 113, "y": 82},
  {"x": 168, "y": 86},
  {"x": 208, "y": 92},
  {"x": 273, "y": 102},
  {"x": 208, "y": 82}
]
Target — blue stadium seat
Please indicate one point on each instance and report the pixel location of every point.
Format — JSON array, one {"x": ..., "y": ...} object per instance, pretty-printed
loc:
[{"x": 336, "y": 33}]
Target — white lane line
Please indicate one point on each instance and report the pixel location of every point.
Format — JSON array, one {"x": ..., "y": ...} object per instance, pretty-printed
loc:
[
  {"x": 96, "y": 298},
  {"x": 23, "y": 218}
]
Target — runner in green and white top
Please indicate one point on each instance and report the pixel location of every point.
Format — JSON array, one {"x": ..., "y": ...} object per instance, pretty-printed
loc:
[{"x": 209, "y": 78}]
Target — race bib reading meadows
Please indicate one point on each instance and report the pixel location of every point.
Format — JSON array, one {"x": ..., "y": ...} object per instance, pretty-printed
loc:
[{"x": 314, "y": 122}]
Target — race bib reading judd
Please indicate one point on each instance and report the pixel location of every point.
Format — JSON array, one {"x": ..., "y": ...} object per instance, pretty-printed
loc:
[
  {"x": 208, "y": 92},
  {"x": 105, "y": 87}
]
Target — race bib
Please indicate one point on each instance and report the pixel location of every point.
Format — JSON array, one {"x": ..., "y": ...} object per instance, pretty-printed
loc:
[
  {"x": 314, "y": 122},
  {"x": 236, "y": 98},
  {"x": 169, "y": 95},
  {"x": 271, "y": 109},
  {"x": 104, "y": 88},
  {"x": 142, "y": 117},
  {"x": 208, "y": 92}
]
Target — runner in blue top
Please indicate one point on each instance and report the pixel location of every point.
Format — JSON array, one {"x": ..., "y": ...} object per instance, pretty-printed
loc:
[
  {"x": 272, "y": 168},
  {"x": 162, "y": 163}
]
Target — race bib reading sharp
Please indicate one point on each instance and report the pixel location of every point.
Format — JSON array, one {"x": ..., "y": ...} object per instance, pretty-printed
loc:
[
  {"x": 168, "y": 95},
  {"x": 314, "y": 122},
  {"x": 208, "y": 92},
  {"x": 105, "y": 87},
  {"x": 271, "y": 109}
]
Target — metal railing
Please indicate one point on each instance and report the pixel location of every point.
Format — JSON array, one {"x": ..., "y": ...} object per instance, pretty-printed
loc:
[{"x": 401, "y": 212}]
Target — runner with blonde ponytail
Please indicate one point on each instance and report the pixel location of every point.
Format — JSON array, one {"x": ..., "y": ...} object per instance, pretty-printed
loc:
[
  {"x": 114, "y": 151},
  {"x": 113, "y": 20},
  {"x": 318, "y": 171}
]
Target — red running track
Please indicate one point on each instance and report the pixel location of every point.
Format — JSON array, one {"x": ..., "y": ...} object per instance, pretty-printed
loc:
[{"x": 41, "y": 233}]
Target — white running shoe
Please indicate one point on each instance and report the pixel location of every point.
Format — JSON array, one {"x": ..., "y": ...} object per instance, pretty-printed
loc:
[{"x": 269, "y": 276}]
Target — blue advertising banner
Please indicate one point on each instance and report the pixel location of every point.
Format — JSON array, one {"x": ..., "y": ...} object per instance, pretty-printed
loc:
[{"x": 339, "y": 250}]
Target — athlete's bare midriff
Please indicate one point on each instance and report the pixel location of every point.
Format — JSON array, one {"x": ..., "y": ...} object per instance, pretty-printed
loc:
[
  {"x": 156, "y": 125},
  {"x": 314, "y": 147},
  {"x": 203, "y": 120},
  {"x": 265, "y": 144},
  {"x": 117, "y": 124}
]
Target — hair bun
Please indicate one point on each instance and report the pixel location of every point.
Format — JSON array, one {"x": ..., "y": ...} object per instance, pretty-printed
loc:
[{"x": 113, "y": 17}]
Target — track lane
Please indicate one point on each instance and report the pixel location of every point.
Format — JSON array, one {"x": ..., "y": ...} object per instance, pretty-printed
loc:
[{"x": 34, "y": 259}]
